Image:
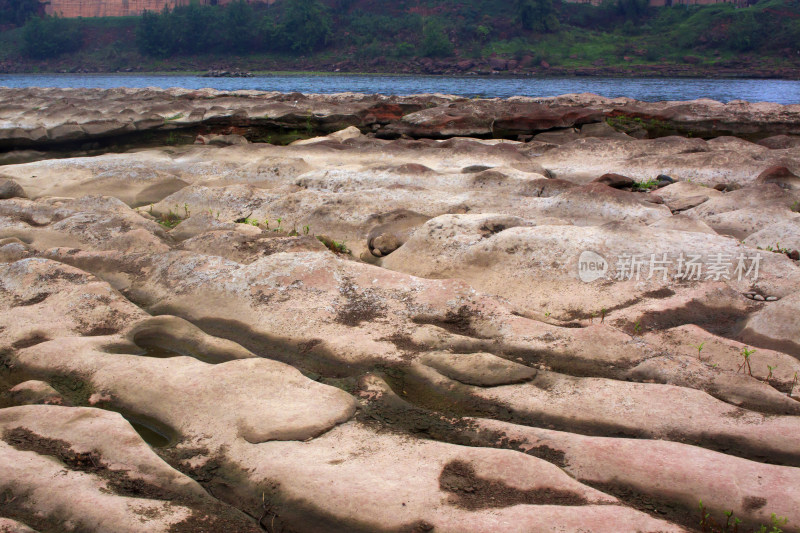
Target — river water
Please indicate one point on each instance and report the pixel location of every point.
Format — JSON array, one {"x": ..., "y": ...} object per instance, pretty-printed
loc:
[{"x": 647, "y": 89}]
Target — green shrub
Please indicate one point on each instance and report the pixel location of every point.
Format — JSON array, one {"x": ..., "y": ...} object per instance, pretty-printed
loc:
[
  {"x": 435, "y": 42},
  {"x": 403, "y": 49},
  {"x": 153, "y": 36},
  {"x": 537, "y": 15},
  {"x": 745, "y": 33},
  {"x": 370, "y": 51},
  {"x": 48, "y": 37},
  {"x": 307, "y": 26}
]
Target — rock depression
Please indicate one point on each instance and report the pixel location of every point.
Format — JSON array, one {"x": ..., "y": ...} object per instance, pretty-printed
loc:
[{"x": 235, "y": 312}]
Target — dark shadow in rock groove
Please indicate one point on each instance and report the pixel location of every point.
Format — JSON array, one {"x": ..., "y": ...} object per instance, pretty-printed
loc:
[
  {"x": 472, "y": 492},
  {"x": 460, "y": 402},
  {"x": 656, "y": 507},
  {"x": 299, "y": 354},
  {"x": 458, "y": 322}
]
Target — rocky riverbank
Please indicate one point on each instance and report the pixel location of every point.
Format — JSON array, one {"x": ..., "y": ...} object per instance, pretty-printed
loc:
[
  {"x": 422, "y": 313},
  {"x": 47, "y": 119},
  {"x": 688, "y": 67}
]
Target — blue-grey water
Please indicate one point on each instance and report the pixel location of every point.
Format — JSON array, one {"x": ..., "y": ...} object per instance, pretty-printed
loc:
[{"x": 647, "y": 89}]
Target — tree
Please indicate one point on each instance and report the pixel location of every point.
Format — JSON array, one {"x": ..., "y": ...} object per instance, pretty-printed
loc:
[
  {"x": 153, "y": 35},
  {"x": 342, "y": 6},
  {"x": 17, "y": 12},
  {"x": 537, "y": 15},
  {"x": 632, "y": 9},
  {"x": 196, "y": 27},
  {"x": 434, "y": 40},
  {"x": 240, "y": 26},
  {"x": 307, "y": 26},
  {"x": 48, "y": 37}
]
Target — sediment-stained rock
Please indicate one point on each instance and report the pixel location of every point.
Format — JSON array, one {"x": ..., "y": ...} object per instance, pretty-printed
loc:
[
  {"x": 73, "y": 116},
  {"x": 402, "y": 324}
]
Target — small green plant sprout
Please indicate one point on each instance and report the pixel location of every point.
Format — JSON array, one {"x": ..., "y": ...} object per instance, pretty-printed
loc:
[
  {"x": 731, "y": 522},
  {"x": 637, "y": 327},
  {"x": 170, "y": 219},
  {"x": 217, "y": 215},
  {"x": 547, "y": 314},
  {"x": 293, "y": 233},
  {"x": 771, "y": 368},
  {"x": 644, "y": 186},
  {"x": 334, "y": 246},
  {"x": 780, "y": 250},
  {"x": 699, "y": 348},
  {"x": 306, "y": 229},
  {"x": 705, "y": 517},
  {"x": 603, "y": 312},
  {"x": 796, "y": 207},
  {"x": 776, "y": 522},
  {"x": 746, "y": 353},
  {"x": 712, "y": 526},
  {"x": 309, "y": 125},
  {"x": 247, "y": 220},
  {"x": 278, "y": 229},
  {"x": 186, "y": 210},
  {"x": 266, "y": 223}
]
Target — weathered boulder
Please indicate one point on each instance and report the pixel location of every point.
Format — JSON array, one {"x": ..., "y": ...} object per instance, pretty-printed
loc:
[
  {"x": 392, "y": 231},
  {"x": 779, "y": 142},
  {"x": 746, "y": 211},
  {"x": 780, "y": 236},
  {"x": 92, "y": 222},
  {"x": 35, "y": 392},
  {"x": 781, "y": 176},
  {"x": 615, "y": 181},
  {"x": 10, "y": 189},
  {"x": 777, "y": 326}
]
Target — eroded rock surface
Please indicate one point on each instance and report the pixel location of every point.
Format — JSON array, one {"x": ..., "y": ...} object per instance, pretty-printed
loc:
[{"x": 413, "y": 322}]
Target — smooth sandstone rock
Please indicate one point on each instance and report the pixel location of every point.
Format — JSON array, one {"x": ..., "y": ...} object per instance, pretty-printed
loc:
[
  {"x": 86, "y": 468},
  {"x": 314, "y": 392}
]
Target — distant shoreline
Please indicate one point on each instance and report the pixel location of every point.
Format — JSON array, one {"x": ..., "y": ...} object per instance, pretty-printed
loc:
[{"x": 555, "y": 72}]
